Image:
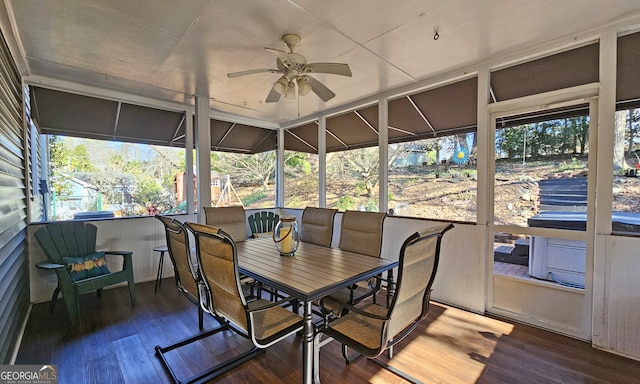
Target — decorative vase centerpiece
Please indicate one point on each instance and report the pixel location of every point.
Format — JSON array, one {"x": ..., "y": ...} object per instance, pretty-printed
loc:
[{"x": 285, "y": 235}]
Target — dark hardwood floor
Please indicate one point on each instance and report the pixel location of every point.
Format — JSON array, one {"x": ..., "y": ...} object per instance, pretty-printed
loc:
[{"x": 115, "y": 344}]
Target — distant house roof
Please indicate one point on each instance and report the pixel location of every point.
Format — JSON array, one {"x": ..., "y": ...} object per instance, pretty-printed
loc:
[{"x": 78, "y": 180}]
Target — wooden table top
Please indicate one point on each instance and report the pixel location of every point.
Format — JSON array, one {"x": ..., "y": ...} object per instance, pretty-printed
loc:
[{"x": 313, "y": 272}]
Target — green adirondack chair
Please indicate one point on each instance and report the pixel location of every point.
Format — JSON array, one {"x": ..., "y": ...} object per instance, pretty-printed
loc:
[
  {"x": 262, "y": 222},
  {"x": 71, "y": 252}
]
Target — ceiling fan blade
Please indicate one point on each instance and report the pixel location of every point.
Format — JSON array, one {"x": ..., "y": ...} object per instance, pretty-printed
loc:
[
  {"x": 320, "y": 89},
  {"x": 252, "y": 71},
  {"x": 331, "y": 68},
  {"x": 277, "y": 51},
  {"x": 273, "y": 96}
]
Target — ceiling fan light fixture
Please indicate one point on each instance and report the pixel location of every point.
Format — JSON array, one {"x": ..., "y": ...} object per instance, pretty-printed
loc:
[
  {"x": 281, "y": 85},
  {"x": 303, "y": 86},
  {"x": 291, "y": 92}
]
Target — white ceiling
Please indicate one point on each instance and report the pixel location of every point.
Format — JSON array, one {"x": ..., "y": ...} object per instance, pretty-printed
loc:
[{"x": 171, "y": 50}]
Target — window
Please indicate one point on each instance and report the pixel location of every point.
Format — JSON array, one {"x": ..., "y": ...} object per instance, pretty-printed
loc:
[
  {"x": 115, "y": 178},
  {"x": 246, "y": 179},
  {"x": 301, "y": 161},
  {"x": 434, "y": 178},
  {"x": 352, "y": 179},
  {"x": 541, "y": 172},
  {"x": 626, "y": 165},
  {"x": 541, "y": 164},
  {"x": 300, "y": 179}
]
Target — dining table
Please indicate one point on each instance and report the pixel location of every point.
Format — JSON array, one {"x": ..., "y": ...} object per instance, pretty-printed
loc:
[{"x": 312, "y": 273}]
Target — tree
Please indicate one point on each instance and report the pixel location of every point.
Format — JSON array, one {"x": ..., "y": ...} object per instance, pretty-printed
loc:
[
  {"x": 363, "y": 164},
  {"x": 510, "y": 141},
  {"x": 255, "y": 169},
  {"x": 151, "y": 194},
  {"x": 116, "y": 161},
  {"x": 58, "y": 155},
  {"x": 619, "y": 161},
  {"x": 582, "y": 132},
  {"x": 258, "y": 168},
  {"x": 633, "y": 132},
  {"x": 297, "y": 163},
  {"x": 116, "y": 188},
  {"x": 80, "y": 159}
]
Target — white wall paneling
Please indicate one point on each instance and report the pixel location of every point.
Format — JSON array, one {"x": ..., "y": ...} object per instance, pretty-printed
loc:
[
  {"x": 542, "y": 304},
  {"x": 616, "y": 297}
]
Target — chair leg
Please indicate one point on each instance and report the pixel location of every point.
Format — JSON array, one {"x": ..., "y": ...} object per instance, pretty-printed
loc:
[
  {"x": 159, "y": 274},
  {"x": 317, "y": 344},
  {"x": 200, "y": 318},
  {"x": 397, "y": 372},
  {"x": 72, "y": 302},
  {"x": 212, "y": 372},
  {"x": 296, "y": 306},
  {"x": 54, "y": 298},
  {"x": 273, "y": 293},
  {"x": 132, "y": 291},
  {"x": 345, "y": 353}
]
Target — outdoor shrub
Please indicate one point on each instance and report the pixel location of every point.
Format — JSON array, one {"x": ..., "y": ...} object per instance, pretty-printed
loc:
[
  {"x": 252, "y": 198},
  {"x": 372, "y": 206},
  {"x": 345, "y": 202},
  {"x": 360, "y": 188}
]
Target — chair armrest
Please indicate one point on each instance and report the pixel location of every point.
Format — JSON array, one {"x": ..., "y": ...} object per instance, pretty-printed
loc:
[
  {"x": 121, "y": 253},
  {"x": 48, "y": 265},
  {"x": 270, "y": 304},
  {"x": 127, "y": 258},
  {"x": 372, "y": 282},
  {"x": 359, "y": 311}
]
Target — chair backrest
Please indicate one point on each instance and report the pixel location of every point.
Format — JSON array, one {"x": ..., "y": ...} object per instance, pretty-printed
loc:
[
  {"x": 184, "y": 263},
  {"x": 417, "y": 267},
  {"x": 67, "y": 239},
  {"x": 317, "y": 225},
  {"x": 232, "y": 220},
  {"x": 361, "y": 232},
  {"x": 263, "y": 222},
  {"x": 218, "y": 266}
]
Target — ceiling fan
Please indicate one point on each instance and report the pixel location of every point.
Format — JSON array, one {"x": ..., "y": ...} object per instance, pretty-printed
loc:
[{"x": 295, "y": 79}]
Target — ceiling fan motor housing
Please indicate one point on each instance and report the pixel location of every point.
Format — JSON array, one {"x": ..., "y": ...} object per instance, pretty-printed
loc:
[{"x": 292, "y": 41}]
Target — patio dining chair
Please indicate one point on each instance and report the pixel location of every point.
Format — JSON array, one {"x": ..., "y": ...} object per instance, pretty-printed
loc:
[
  {"x": 261, "y": 321},
  {"x": 370, "y": 329},
  {"x": 317, "y": 226},
  {"x": 233, "y": 220},
  {"x": 360, "y": 232},
  {"x": 184, "y": 262}
]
